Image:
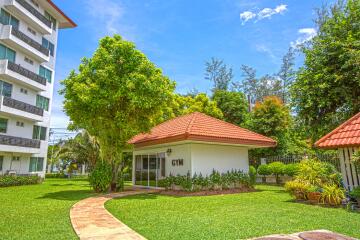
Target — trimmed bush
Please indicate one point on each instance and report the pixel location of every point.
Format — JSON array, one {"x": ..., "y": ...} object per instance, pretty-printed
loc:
[
  {"x": 252, "y": 175},
  {"x": 291, "y": 169},
  {"x": 12, "y": 180},
  {"x": 100, "y": 177},
  {"x": 264, "y": 170},
  {"x": 55, "y": 175},
  {"x": 277, "y": 169}
]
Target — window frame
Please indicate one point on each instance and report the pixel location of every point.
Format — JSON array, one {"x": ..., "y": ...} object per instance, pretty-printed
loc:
[
  {"x": 36, "y": 164},
  {"x": 6, "y": 53},
  {"x": 52, "y": 20},
  {"x": 46, "y": 71},
  {"x": 6, "y": 121},
  {"x": 42, "y": 102},
  {"x": 39, "y": 133},
  {"x": 10, "y": 19},
  {"x": 8, "y": 85},
  {"x": 48, "y": 45}
]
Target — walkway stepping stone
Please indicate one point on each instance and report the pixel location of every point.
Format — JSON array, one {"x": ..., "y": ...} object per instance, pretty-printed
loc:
[{"x": 323, "y": 236}]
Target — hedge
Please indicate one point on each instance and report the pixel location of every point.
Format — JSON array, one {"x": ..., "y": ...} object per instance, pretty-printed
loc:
[
  {"x": 55, "y": 175},
  {"x": 12, "y": 180}
]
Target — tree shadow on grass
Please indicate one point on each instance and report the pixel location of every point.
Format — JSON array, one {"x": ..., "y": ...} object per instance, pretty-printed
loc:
[{"x": 69, "y": 195}]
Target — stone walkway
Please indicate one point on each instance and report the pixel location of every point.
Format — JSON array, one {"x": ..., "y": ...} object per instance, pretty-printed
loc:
[{"x": 91, "y": 220}]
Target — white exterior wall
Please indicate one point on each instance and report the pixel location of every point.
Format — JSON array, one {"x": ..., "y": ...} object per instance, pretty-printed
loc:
[
  {"x": 349, "y": 173},
  {"x": 198, "y": 157},
  {"x": 222, "y": 158},
  {"x": 30, "y": 97}
]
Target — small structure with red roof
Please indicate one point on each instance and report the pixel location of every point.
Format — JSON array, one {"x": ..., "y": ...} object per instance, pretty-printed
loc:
[
  {"x": 345, "y": 138},
  {"x": 193, "y": 143}
]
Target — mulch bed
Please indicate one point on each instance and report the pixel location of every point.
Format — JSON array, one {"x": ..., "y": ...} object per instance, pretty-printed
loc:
[{"x": 182, "y": 193}]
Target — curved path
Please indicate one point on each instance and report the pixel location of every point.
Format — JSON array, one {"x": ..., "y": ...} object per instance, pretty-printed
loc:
[{"x": 91, "y": 220}]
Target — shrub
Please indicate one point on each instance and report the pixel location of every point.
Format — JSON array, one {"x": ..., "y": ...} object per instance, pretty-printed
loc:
[
  {"x": 252, "y": 175},
  {"x": 355, "y": 193},
  {"x": 264, "y": 170},
  {"x": 55, "y": 175},
  {"x": 215, "y": 179},
  {"x": 277, "y": 169},
  {"x": 13, "y": 180},
  {"x": 332, "y": 194},
  {"x": 291, "y": 169},
  {"x": 186, "y": 182},
  {"x": 298, "y": 189},
  {"x": 120, "y": 182},
  {"x": 100, "y": 177}
]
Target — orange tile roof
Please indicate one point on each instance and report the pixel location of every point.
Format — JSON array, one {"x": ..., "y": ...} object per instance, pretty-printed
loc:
[
  {"x": 200, "y": 127},
  {"x": 346, "y": 135}
]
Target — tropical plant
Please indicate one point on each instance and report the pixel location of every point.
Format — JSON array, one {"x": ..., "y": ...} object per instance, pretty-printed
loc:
[
  {"x": 355, "y": 193},
  {"x": 298, "y": 188},
  {"x": 100, "y": 177},
  {"x": 215, "y": 179},
  {"x": 332, "y": 194},
  {"x": 277, "y": 169}
]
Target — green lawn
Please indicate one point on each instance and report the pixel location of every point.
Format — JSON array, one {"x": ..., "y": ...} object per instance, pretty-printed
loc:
[
  {"x": 40, "y": 211},
  {"x": 237, "y": 216}
]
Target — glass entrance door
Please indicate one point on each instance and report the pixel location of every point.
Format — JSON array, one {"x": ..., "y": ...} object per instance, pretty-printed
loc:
[{"x": 149, "y": 169}]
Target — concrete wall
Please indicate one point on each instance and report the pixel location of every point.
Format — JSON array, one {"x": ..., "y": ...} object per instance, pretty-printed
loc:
[{"x": 206, "y": 157}]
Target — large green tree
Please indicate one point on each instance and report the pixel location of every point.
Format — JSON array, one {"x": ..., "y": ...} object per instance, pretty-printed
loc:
[
  {"x": 233, "y": 105},
  {"x": 115, "y": 94},
  {"x": 327, "y": 89}
]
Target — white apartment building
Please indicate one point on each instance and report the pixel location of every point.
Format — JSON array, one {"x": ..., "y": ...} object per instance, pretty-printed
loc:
[{"x": 28, "y": 39}]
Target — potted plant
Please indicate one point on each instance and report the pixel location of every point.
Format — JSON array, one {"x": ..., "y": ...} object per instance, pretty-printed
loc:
[
  {"x": 332, "y": 195},
  {"x": 355, "y": 193},
  {"x": 298, "y": 189},
  {"x": 313, "y": 194}
]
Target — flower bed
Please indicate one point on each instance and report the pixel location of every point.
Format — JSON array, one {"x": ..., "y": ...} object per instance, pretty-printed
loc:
[{"x": 215, "y": 183}]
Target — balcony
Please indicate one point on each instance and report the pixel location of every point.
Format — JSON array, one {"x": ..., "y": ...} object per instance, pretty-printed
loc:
[
  {"x": 20, "y": 109},
  {"x": 23, "y": 10},
  {"x": 19, "y": 145},
  {"x": 15, "y": 73},
  {"x": 19, "y": 40}
]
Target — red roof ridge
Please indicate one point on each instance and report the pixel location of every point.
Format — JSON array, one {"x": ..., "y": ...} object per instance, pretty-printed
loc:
[{"x": 190, "y": 125}]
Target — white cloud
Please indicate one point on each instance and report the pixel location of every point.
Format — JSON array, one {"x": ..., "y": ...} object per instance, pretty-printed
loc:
[
  {"x": 262, "y": 14},
  {"x": 246, "y": 16},
  {"x": 305, "y": 35},
  {"x": 107, "y": 14},
  {"x": 264, "y": 49}
]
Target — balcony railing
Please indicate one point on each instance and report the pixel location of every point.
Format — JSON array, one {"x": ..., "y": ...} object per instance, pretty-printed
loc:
[
  {"x": 22, "y": 36},
  {"x": 9, "y": 102},
  {"x": 26, "y": 73},
  {"x": 19, "y": 142},
  {"x": 34, "y": 12}
]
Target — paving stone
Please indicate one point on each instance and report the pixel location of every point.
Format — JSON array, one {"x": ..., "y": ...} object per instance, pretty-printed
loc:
[{"x": 316, "y": 235}]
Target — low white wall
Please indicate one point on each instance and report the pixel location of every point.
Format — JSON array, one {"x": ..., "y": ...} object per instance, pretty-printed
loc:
[{"x": 223, "y": 158}]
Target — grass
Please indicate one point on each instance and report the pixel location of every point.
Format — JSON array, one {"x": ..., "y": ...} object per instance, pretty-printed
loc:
[
  {"x": 236, "y": 216},
  {"x": 40, "y": 211}
]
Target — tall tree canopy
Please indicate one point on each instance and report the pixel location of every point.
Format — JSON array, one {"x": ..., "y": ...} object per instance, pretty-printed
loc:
[
  {"x": 327, "y": 89},
  {"x": 116, "y": 94},
  {"x": 219, "y": 74},
  {"x": 234, "y": 106}
]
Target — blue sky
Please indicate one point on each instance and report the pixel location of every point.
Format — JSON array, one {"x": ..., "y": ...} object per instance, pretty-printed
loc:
[{"x": 180, "y": 35}]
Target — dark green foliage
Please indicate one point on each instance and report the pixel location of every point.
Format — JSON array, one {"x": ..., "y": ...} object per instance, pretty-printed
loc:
[
  {"x": 100, "y": 177},
  {"x": 291, "y": 169},
  {"x": 11, "y": 180},
  {"x": 264, "y": 170},
  {"x": 355, "y": 193},
  {"x": 277, "y": 169},
  {"x": 252, "y": 175},
  {"x": 55, "y": 175}
]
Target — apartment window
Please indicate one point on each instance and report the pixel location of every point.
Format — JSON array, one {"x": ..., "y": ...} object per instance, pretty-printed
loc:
[
  {"x": 3, "y": 125},
  {"x": 35, "y": 3},
  {"x": 1, "y": 162},
  {"x": 7, "y": 19},
  {"x": 5, "y": 89},
  {"x": 31, "y": 31},
  {"x": 52, "y": 19},
  {"x": 16, "y": 158},
  {"x": 47, "y": 44},
  {"x": 7, "y": 53},
  {"x": 29, "y": 61},
  {"x": 36, "y": 164},
  {"x": 46, "y": 73},
  {"x": 42, "y": 102},
  {"x": 19, "y": 124},
  {"x": 39, "y": 132}
]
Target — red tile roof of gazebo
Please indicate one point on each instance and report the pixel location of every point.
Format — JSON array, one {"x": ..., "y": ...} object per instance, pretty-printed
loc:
[
  {"x": 200, "y": 127},
  {"x": 346, "y": 135}
]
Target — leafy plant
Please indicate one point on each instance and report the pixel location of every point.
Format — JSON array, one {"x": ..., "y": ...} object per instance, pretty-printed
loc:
[
  {"x": 252, "y": 175},
  {"x": 318, "y": 173},
  {"x": 332, "y": 194},
  {"x": 215, "y": 178},
  {"x": 264, "y": 170},
  {"x": 100, "y": 177},
  {"x": 13, "y": 180},
  {"x": 355, "y": 193},
  {"x": 355, "y": 159},
  {"x": 298, "y": 188},
  {"x": 277, "y": 168},
  {"x": 291, "y": 169}
]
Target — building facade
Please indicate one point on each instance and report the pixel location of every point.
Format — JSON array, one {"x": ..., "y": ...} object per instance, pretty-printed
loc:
[{"x": 28, "y": 43}]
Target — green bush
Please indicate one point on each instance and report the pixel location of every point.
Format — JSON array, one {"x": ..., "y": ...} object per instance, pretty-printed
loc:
[
  {"x": 291, "y": 169},
  {"x": 12, "y": 180},
  {"x": 100, "y": 177},
  {"x": 264, "y": 170},
  {"x": 355, "y": 193},
  {"x": 277, "y": 169},
  {"x": 55, "y": 175},
  {"x": 252, "y": 175}
]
